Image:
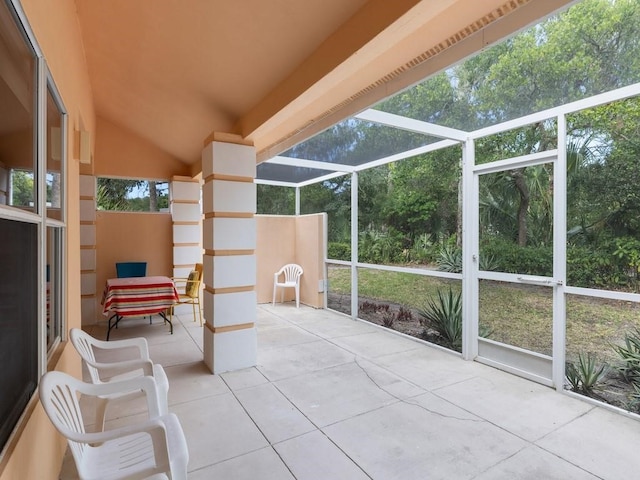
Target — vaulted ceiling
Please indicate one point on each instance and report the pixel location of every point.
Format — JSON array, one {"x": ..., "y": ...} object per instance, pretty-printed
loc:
[{"x": 273, "y": 71}]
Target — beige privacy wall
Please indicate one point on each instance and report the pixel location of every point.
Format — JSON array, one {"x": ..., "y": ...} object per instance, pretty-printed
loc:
[{"x": 290, "y": 239}]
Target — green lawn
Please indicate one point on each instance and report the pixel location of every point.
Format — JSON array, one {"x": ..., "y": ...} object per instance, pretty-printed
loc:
[{"x": 519, "y": 315}]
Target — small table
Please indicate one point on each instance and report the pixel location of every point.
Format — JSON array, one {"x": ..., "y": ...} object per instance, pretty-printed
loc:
[{"x": 138, "y": 296}]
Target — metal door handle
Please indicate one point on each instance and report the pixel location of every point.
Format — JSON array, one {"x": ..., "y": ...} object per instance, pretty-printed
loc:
[{"x": 538, "y": 280}]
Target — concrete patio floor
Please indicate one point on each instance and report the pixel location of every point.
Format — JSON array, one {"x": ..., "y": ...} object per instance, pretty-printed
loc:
[{"x": 331, "y": 398}]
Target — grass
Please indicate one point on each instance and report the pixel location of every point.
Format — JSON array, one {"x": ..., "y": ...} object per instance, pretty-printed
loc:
[{"x": 519, "y": 315}]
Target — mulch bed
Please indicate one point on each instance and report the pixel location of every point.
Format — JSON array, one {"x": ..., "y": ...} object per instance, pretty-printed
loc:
[{"x": 377, "y": 312}]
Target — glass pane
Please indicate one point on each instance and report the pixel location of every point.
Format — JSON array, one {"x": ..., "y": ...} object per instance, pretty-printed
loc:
[
  {"x": 516, "y": 220},
  {"x": 17, "y": 94},
  {"x": 603, "y": 201},
  {"x": 55, "y": 155},
  {"x": 132, "y": 195},
  {"x": 518, "y": 315},
  {"x": 339, "y": 291}
]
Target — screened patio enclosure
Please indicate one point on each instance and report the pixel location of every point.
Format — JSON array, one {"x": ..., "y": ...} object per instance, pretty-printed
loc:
[{"x": 566, "y": 137}]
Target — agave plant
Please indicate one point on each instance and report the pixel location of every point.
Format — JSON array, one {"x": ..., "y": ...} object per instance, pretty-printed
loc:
[
  {"x": 584, "y": 376},
  {"x": 629, "y": 353},
  {"x": 450, "y": 259},
  {"x": 444, "y": 315}
]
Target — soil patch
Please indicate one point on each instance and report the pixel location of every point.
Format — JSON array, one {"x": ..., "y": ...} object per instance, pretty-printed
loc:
[{"x": 405, "y": 320}]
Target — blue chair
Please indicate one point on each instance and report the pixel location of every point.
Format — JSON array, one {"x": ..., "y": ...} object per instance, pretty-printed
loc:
[{"x": 131, "y": 269}]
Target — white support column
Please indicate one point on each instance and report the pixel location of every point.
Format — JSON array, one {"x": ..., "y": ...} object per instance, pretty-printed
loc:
[
  {"x": 229, "y": 240},
  {"x": 297, "y": 200},
  {"x": 354, "y": 245},
  {"x": 470, "y": 253},
  {"x": 88, "y": 291},
  {"x": 560, "y": 256},
  {"x": 186, "y": 214}
]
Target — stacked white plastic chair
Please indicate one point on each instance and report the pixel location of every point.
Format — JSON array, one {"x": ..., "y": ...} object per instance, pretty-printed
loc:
[
  {"x": 116, "y": 371},
  {"x": 153, "y": 448}
]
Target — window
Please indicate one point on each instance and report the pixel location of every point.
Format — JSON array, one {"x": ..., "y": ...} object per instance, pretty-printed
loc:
[
  {"x": 133, "y": 195},
  {"x": 32, "y": 228}
]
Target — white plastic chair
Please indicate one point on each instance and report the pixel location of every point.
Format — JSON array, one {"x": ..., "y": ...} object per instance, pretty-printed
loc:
[
  {"x": 291, "y": 274},
  {"x": 153, "y": 447},
  {"x": 119, "y": 370}
]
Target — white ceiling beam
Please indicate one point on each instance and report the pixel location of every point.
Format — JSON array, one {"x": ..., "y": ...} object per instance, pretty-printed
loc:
[
  {"x": 412, "y": 125},
  {"x": 432, "y": 147},
  {"x": 324, "y": 178},
  {"x": 275, "y": 183},
  {"x": 315, "y": 164}
]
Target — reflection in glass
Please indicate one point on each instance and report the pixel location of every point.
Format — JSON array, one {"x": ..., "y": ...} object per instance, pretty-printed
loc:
[
  {"x": 54, "y": 158},
  {"x": 17, "y": 156},
  {"x": 53, "y": 287}
]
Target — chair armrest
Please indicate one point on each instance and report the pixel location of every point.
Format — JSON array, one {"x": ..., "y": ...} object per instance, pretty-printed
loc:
[
  {"x": 147, "y": 384},
  {"x": 148, "y": 426},
  {"x": 114, "y": 368},
  {"x": 138, "y": 342}
]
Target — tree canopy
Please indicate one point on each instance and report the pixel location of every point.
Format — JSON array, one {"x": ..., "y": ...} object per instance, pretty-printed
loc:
[{"x": 591, "y": 48}]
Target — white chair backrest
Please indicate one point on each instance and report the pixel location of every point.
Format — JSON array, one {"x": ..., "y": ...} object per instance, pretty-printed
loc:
[
  {"x": 83, "y": 343},
  {"x": 292, "y": 272},
  {"x": 137, "y": 450},
  {"x": 59, "y": 396},
  {"x": 86, "y": 345}
]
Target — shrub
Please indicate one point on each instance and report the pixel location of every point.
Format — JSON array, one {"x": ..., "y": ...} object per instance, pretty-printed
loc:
[
  {"x": 339, "y": 251},
  {"x": 388, "y": 319},
  {"x": 368, "y": 307},
  {"x": 382, "y": 307},
  {"x": 404, "y": 315},
  {"x": 506, "y": 256},
  {"x": 584, "y": 376},
  {"x": 444, "y": 315},
  {"x": 421, "y": 250},
  {"x": 375, "y": 246},
  {"x": 594, "y": 266}
]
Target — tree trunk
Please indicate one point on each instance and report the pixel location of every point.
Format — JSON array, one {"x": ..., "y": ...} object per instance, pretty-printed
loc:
[
  {"x": 523, "y": 190},
  {"x": 153, "y": 197}
]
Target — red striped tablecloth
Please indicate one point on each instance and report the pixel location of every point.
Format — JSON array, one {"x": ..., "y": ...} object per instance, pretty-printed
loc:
[{"x": 138, "y": 296}]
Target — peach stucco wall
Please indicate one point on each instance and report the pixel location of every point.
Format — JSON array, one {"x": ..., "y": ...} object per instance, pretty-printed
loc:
[
  {"x": 37, "y": 451},
  {"x": 121, "y": 153},
  {"x": 132, "y": 237},
  {"x": 290, "y": 239}
]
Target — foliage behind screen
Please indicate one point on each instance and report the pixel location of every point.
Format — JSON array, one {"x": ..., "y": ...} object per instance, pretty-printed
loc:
[{"x": 126, "y": 195}]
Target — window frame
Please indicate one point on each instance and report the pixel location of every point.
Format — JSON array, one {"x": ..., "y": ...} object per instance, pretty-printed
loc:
[{"x": 51, "y": 232}]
